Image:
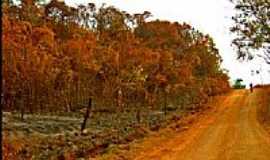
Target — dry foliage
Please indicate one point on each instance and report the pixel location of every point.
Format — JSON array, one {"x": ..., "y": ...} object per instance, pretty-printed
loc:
[{"x": 55, "y": 57}]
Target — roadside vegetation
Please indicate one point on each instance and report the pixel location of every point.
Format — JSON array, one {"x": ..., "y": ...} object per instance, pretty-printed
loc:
[
  {"x": 252, "y": 29},
  {"x": 78, "y": 80},
  {"x": 238, "y": 84}
]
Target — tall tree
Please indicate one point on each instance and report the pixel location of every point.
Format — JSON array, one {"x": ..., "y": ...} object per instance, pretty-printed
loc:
[
  {"x": 252, "y": 28},
  {"x": 56, "y": 57}
]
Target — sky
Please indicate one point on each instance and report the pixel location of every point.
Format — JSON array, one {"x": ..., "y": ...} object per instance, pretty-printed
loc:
[{"x": 211, "y": 17}]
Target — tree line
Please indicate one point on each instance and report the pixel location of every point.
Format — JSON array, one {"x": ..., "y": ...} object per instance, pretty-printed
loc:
[{"x": 56, "y": 57}]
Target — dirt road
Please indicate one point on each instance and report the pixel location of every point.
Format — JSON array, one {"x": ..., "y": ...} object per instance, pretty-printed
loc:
[{"x": 232, "y": 132}]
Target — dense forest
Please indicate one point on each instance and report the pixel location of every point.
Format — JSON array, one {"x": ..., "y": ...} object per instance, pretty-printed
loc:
[
  {"x": 59, "y": 59},
  {"x": 56, "y": 57}
]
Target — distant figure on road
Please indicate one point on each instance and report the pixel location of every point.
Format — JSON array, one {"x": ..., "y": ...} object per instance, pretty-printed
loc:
[{"x": 251, "y": 87}]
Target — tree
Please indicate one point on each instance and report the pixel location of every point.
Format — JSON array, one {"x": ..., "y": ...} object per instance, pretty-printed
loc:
[
  {"x": 252, "y": 28},
  {"x": 56, "y": 57},
  {"x": 238, "y": 84}
]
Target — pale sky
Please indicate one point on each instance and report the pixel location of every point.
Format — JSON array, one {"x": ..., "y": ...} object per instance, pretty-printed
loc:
[{"x": 211, "y": 17}]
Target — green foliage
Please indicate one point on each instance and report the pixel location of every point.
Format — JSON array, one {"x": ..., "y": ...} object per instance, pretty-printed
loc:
[
  {"x": 252, "y": 28},
  {"x": 238, "y": 84}
]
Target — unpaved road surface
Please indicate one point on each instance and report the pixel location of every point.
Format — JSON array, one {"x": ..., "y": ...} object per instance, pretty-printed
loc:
[{"x": 232, "y": 132}]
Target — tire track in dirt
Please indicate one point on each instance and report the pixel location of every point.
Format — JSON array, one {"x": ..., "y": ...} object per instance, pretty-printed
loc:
[
  {"x": 167, "y": 149},
  {"x": 231, "y": 133}
]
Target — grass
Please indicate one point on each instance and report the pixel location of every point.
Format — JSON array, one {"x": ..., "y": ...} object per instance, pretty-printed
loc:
[{"x": 56, "y": 137}]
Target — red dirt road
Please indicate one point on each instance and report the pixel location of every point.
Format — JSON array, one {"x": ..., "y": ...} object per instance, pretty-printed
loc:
[{"x": 231, "y": 132}]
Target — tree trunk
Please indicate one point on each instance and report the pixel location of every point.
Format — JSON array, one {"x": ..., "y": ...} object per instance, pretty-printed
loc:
[
  {"x": 22, "y": 113},
  {"x": 21, "y": 106},
  {"x": 165, "y": 103},
  {"x": 138, "y": 115}
]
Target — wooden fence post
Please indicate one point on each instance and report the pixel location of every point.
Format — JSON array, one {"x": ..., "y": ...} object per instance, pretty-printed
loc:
[{"x": 86, "y": 115}]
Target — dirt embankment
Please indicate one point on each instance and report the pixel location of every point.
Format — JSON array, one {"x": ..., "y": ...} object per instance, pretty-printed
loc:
[{"x": 264, "y": 109}]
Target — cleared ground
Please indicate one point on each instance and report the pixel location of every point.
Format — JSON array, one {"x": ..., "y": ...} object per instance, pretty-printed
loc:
[{"x": 229, "y": 127}]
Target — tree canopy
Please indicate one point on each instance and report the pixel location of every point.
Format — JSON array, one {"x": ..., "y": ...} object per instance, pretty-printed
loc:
[
  {"x": 55, "y": 57},
  {"x": 252, "y": 28},
  {"x": 127, "y": 69}
]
